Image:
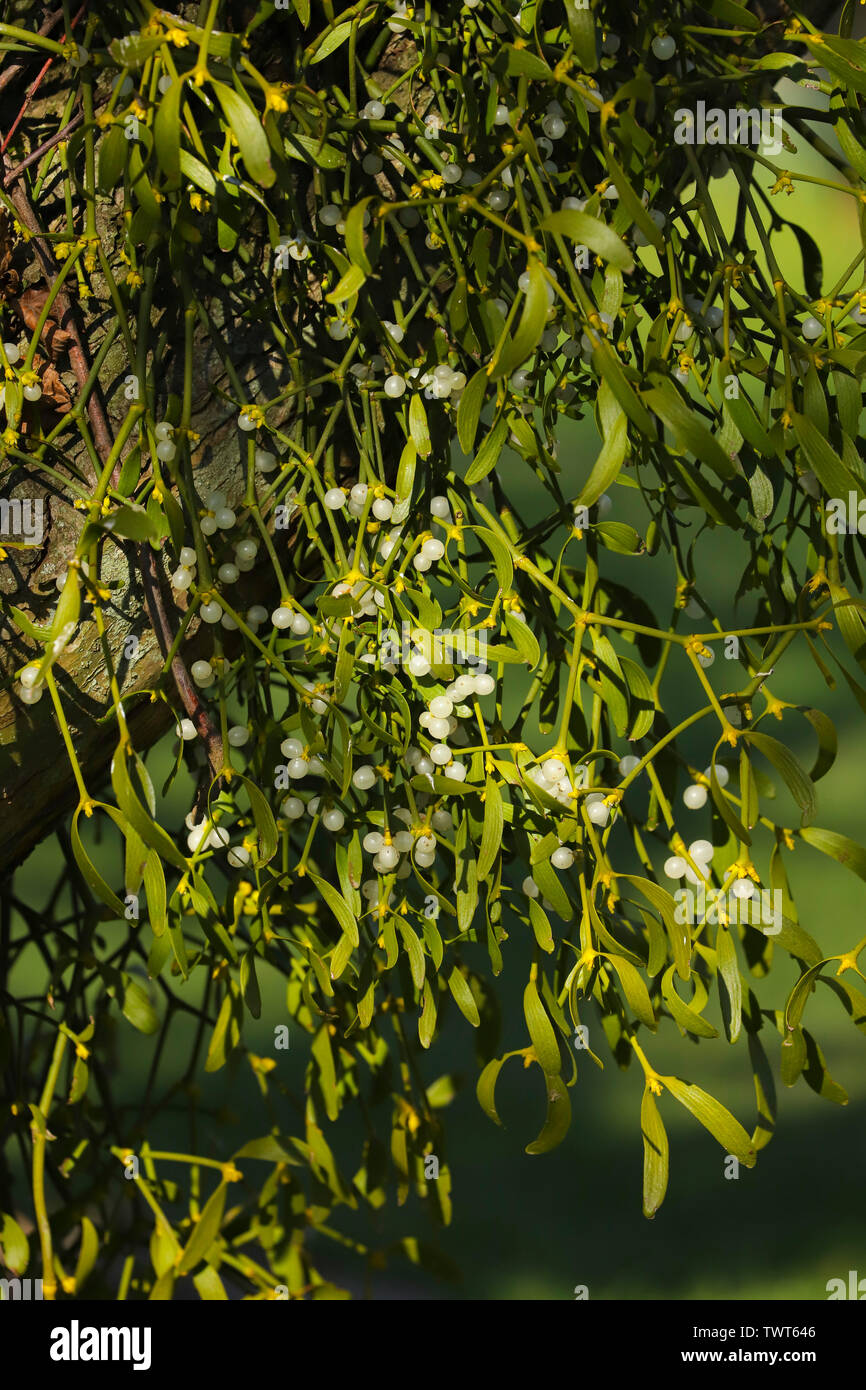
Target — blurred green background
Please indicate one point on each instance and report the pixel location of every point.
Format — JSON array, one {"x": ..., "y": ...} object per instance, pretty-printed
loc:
[{"x": 535, "y": 1227}]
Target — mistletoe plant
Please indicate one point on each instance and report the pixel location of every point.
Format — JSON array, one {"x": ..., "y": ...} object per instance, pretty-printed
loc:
[{"x": 297, "y": 305}]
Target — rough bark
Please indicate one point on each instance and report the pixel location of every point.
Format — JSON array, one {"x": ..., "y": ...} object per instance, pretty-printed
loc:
[{"x": 36, "y": 781}]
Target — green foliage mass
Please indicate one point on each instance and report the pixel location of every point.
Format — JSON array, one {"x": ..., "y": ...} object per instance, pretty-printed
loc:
[{"x": 449, "y": 232}]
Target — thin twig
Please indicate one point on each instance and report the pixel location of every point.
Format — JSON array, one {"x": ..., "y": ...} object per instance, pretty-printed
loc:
[
  {"x": 42, "y": 149},
  {"x": 9, "y": 74},
  {"x": 193, "y": 705}
]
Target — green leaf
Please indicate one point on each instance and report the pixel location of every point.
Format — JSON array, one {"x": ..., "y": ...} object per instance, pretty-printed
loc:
[
  {"x": 742, "y": 413},
  {"x": 730, "y": 984},
  {"x": 816, "y": 1074},
  {"x": 608, "y": 464},
  {"x": 541, "y": 1031},
  {"x": 558, "y": 1117},
  {"x": 800, "y": 993},
  {"x": 521, "y": 63},
  {"x": 640, "y": 698},
  {"x": 589, "y": 231},
  {"x": 418, "y": 426},
  {"x": 323, "y": 1056},
  {"x": 661, "y": 900},
  {"x": 249, "y": 983},
  {"x": 848, "y": 613},
  {"x": 655, "y": 1154},
  {"x": 68, "y": 609},
  {"x": 690, "y": 433},
  {"x": 163, "y": 1289},
  {"x": 851, "y": 148},
  {"x": 245, "y": 124},
  {"x": 488, "y": 455},
  {"x": 724, "y": 807},
  {"x": 532, "y": 320},
  {"x": 466, "y": 875},
  {"x": 502, "y": 562},
  {"x": 87, "y": 1253},
  {"x": 617, "y": 536},
  {"x": 263, "y": 818},
  {"x": 130, "y": 521},
  {"x": 309, "y": 150},
  {"x": 414, "y": 951},
  {"x": 491, "y": 834},
  {"x": 469, "y": 409},
  {"x": 828, "y": 744},
  {"x": 405, "y": 482},
  {"x": 221, "y": 1042},
  {"x": 839, "y": 847},
  {"x": 683, "y": 1014},
  {"x": 338, "y": 905},
  {"x": 630, "y": 201},
  {"x": 606, "y": 363},
  {"x": 463, "y": 997},
  {"x": 355, "y": 234},
  {"x": 348, "y": 286},
  {"x": 166, "y": 133},
  {"x": 197, "y": 173},
  {"x": 541, "y": 926},
  {"x": 154, "y": 887},
  {"x": 151, "y": 833},
  {"x": 90, "y": 873},
  {"x": 714, "y": 1117},
  {"x": 761, "y": 489},
  {"x": 581, "y": 27},
  {"x": 524, "y": 639},
  {"x": 634, "y": 989},
  {"x": 136, "y": 1006},
  {"x": 734, "y": 13},
  {"x": 427, "y": 1021},
  {"x": 551, "y": 888},
  {"x": 16, "y": 1251},
  {"x": 112, "y": 158},
  {"x": 825, "y": 463},
  {"x": 613, "y": 683},
  {"x": 799, "y": 785},
  {"x": 268, "y": 1148},
  {"x": 337, "y": 36},
  {"x": 205, "y": 1231},
  {"x": 487, "y": 1086},
  {"x": 209, "y": 1285}
]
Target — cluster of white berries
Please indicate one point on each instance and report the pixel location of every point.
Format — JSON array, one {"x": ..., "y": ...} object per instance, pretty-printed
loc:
[
  {"x": 336, "y": 498},
  {"x": 31, "y": 688},
  {"x": 287, "y": 619},
  {"x": 417, "y": 839},
  {"x": 300, "y": 763},
  {"x": 31, "y": 389},
  {"x": 701, "y": 853},
  {"x": 166, "y": 449},
  {"x": 695, "y": 795},
  {"x": 184, "y": 575},
  {"x": 218, "y": 516},
  {"x": 443, "y": 383},
  {"x": 552, "y": 776}
]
